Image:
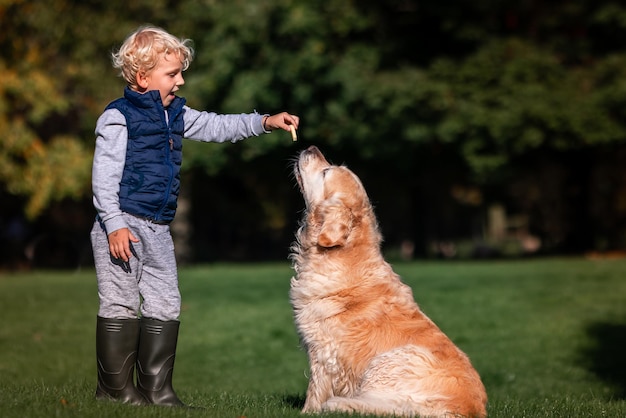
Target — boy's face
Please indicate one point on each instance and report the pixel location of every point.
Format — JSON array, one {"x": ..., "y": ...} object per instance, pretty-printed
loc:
[{"x": 166, "y": 77}]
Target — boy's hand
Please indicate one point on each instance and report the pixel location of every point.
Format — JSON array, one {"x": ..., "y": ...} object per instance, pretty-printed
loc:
[
  {"x": 281, "y": 121},
  {"x": 119, "y": 244}
]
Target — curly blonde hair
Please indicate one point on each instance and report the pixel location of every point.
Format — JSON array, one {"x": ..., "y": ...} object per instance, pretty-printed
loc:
[{"x": 141, "y": 51}]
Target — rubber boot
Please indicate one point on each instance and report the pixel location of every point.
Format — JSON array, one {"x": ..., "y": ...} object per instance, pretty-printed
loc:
[
  {"x": 155, "y": 361},
  {"x": 116, "y": 353}
]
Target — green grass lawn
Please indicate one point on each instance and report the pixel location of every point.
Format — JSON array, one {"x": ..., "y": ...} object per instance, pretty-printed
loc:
[{"x": 547, "y": 336}]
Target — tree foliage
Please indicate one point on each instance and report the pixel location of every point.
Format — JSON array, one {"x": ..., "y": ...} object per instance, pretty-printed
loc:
[
  {"x": 400, "y": 85},
  {"x": 511, "y": 80}
]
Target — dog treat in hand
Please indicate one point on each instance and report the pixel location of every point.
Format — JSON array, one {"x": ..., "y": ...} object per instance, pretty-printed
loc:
[{"x": 294, "y": 136}]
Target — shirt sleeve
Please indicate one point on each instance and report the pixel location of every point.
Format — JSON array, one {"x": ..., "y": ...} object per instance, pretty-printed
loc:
[
  {"x": 212, "y": 127},
  {"x": 108, "y": 167}
]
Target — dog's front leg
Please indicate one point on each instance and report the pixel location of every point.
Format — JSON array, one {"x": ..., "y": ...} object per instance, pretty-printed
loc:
[{"x": 319, "y": 390}]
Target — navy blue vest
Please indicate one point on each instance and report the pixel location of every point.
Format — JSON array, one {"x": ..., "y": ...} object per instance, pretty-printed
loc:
[{"x": 151, "y": 179}]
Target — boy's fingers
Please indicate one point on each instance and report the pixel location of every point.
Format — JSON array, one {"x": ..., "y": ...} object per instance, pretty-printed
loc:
[
  {"x": 120, "y": 244},
  {"x": 118, "y": 253},
  {"x": 123, "y": 253},
  {"x": 294, "y": 120}
]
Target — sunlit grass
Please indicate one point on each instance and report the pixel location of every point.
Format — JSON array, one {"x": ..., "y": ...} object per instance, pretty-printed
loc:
[{"x": 546, "y": 336}]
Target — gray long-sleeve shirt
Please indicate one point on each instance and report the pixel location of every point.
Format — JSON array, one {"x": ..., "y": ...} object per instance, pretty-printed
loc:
[{"x": 110, "y": 152}]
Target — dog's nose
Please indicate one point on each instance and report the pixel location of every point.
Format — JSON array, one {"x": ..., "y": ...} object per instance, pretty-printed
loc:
[
  {"x": 310, "y": 151},
  {"x": 313, "y": 150}
]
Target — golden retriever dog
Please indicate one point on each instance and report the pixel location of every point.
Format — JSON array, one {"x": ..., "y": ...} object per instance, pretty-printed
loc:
[{"x": 371, "y": 349}]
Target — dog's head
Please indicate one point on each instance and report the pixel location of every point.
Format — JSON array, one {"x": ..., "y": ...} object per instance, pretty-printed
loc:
[{"x": 335, "y": 199}]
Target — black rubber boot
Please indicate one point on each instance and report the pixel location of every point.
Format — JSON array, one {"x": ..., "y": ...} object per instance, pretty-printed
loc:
[
  {"x": 116, "y": 352},
  {"x": 155, "y": 361}
]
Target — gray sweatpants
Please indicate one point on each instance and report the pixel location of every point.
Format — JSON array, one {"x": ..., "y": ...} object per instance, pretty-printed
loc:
[{"x": 147, "y": 284}]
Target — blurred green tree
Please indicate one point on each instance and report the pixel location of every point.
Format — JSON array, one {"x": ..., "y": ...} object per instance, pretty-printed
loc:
[{"x": 434, "y": 93}]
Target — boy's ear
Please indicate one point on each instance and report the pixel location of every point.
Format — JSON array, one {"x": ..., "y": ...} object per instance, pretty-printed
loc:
[{"x": 142, "y": 80}]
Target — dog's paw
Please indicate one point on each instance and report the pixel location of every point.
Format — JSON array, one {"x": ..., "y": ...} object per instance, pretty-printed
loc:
[
  {"x": 312, "y": 406},
  {"x": 311, "y": 410},
  {"x": 340, "y": 404}
]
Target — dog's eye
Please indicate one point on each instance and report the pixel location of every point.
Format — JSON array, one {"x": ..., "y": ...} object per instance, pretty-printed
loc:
[{"x": 324, "y": 171}]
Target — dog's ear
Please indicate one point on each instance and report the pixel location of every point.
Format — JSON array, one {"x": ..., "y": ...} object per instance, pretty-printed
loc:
[{"x": 336, "y": 223}]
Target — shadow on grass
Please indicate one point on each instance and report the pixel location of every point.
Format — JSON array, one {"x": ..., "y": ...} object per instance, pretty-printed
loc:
[
  {"x": 604, "y": 356},
  {"x": 294, "y": 401}
]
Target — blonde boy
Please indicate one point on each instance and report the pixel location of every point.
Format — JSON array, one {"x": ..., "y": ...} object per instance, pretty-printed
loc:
[{"x": 135, "y": 185}]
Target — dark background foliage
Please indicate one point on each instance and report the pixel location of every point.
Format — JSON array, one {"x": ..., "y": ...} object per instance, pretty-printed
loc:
[{"x": 479, "y": 129}]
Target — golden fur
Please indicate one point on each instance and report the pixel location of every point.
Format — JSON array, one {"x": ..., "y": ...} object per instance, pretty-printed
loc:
[{"x": 370, "y": 348}]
